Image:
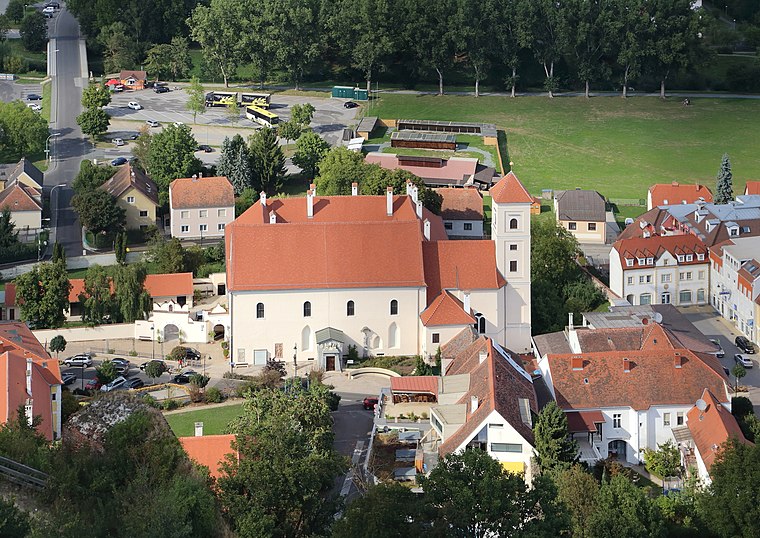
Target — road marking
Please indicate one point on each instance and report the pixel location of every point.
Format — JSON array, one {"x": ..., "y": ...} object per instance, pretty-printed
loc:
[{"x": 350, "y": 474}]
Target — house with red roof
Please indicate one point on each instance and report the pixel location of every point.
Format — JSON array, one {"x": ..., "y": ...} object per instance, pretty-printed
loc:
[
  {"x": 664, "y": 194},
  {"x": 623, "y": 393},
  {"x": 752, "y": 187},
  {"x": 672, "y": 269},
  {"x": 462, "y": 212},
  {"x": 25, "y": 206},
  {"x": 209, "y": 451},
  {"x": 200, "y": 207},
  {"x": 329, "y": 272},
  {"x": 30, "y": 380}
]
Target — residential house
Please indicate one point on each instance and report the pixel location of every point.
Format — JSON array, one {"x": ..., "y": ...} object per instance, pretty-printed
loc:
[
  {"x": 30, "y": 380},
  {"x": 462, "y": 212},
  {"x": 25, "y": 205},
  {"x": 361, "y": 270},
  {"x": 663, "y": 194},
  {"x": 201, "y": 207},
  {"x": 735, "y": 283},
  {"x": 752, "y": 187},
  {"x": 137, "y": 194},
  {"x": 660, "y": 270},
  {"x": 626, "y": 392},
  {"x": 709, "y": 424},
  {"x": 443, "y": 320},
  {"x": 209, "y": 450},
  {"x": 438, "y": 172},
  {"x": 25, "y": 173},
  {"x": 133, "y": 80},
  {"x": 582, "y": 213}
]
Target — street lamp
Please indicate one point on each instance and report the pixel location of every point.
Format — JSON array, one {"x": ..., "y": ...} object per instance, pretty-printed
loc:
[
  {"x": 295, "y": 367},
  {"x": 47, "y": 146},
  {"x": 153, "y": 341}
]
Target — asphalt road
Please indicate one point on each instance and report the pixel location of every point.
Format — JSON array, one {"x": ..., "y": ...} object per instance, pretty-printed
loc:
[{"x": 69, "y": 147}]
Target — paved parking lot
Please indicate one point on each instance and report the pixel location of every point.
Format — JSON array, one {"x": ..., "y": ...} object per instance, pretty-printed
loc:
[{"x": 9, "y": 91}]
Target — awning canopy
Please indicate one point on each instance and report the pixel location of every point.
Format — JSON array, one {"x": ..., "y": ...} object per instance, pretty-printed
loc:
[
  {"x": 681, "y": 433},
  {"x": 583, "y": 421},
  {"x": 515, "y": 467},
  {"x": 113, "y": 82},
  {"x": 327, "y": 334}
]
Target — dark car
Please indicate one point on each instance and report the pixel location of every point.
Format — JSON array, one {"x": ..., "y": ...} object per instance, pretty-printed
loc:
[
  {"x": 369, "y": 403},
  {"x": 134, "y": 383},
  {"x": 161, "y": 89},
  {"x": 719, "y": 353},
  {"x": 162, "y": 364},
  {"x": 134, "y": 136},
  {"x": 68, "y": 378},
  {"x": 744, "y": 344},
  {"x": 184, "y": 377},
  {"x": 55, "y": 5},
  {"x": 350, "y": 104},
  {"x": 121, "y": 365},
  {"x": 190, "y": 354},
  {"x": 34, "y": 97},
  {"x": 205, "y": 148},
  {"x": 118, "y": 161}
]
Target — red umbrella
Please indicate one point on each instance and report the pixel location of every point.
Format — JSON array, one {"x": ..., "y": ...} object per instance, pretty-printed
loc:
[{"x": 113, "y": 82}]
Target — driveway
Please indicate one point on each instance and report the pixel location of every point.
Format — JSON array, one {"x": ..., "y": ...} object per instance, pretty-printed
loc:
[{"x": 707, "y": 320}]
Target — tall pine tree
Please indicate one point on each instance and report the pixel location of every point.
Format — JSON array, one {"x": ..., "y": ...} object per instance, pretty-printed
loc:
[
  {"x": 234, "y": 163},
  {"x": 267, "y": 161},
  {"x": 555, "y": 449},
  {"x": 724, "y": 190}
]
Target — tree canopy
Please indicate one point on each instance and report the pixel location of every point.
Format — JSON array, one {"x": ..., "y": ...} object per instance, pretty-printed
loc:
[
  {"x": 98, "y": 211},
  {"x": 555, "y": 448},
  {"x": 22, "y": 131},
  {"x": 172, "y": 156},
  {"x": 43, "y": 295}
]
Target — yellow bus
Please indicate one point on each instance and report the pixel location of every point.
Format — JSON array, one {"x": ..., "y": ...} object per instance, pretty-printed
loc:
[
  {"x": 260, "y": 100},
  {"x": 221, "y": 98},
  {"x": 261, "y": 116}
]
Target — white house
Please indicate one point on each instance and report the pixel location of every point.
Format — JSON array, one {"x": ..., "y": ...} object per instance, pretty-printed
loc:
[
  {"x": 200, "y": 207},
  {"x": 660, "y": 270},
  {"x": 315, "y": 275},
  {"x": 462, "y": 212},
  {"x": 735, "y": 282},
  {"x": 620, "y": 402}
]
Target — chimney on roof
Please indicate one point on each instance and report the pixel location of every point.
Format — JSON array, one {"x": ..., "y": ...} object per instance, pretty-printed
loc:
[
  {"x": 263, "y": 198},
  {"x": 354, "y": 189},
  {"x": 418, "y": 206},
  {"x": 415, "y": 193},
  {"x": 313, "y": 187},
  {"x": 466, "y": 301},
  {"x": 29, "y": 377},
  {"x": 389, "y": 201},
  {"x": 570, "y": 321},
  {"x": 272, "y": 217},
  {"x": 426, "y": 229},
  {"x": 576, "y": 363},
  {"x": 482, "y": 356},
  {"x": 310, "y": 204},
  {"x": 626, "y": 365},
  {"x": 199, "y": 429},
  {"x": 677, "y": 360},
  {"x": 473, "y": 404},
  {"x": 408, "y": 188},
  {"x": 675, "y": 183},
  {"x": 200, "y": 174}
]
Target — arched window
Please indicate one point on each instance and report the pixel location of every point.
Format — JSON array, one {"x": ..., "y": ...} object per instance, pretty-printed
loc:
[
  {"x": 260, "y": 311},
  {"x": 394, "y": 307},
  {"x": 513, "y": 224},
  {"x": 480, "y": 323},
  {"x": 306, "y": 339},
  {"x": 307, "y": 309},
  {"x": 350, "y": 308},
  {"x": 393, "y": 336}
]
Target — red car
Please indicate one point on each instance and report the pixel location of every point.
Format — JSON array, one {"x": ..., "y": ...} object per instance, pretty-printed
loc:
[
  {"x": 370, "y": 403},
  {"x": 93, "y": 384}
]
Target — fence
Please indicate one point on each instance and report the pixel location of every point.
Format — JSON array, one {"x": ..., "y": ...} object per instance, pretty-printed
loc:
[
  {"x": 627, "y": 201},
  {"x": 22, "y": 475}
]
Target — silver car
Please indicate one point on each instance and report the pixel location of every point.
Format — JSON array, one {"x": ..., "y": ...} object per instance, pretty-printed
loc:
[
  {"x": 79, "y": 360},
  {"x": 743, "y": 360},
  {"x": 117, "y": 383}
]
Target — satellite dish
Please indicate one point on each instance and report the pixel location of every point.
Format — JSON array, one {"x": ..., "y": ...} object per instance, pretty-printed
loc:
[
  {"x": 658, "y": 317},
  {"x": 701, "y": 404}
]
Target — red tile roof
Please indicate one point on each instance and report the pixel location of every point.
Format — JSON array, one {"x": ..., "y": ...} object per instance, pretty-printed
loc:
[
  {"x": 653, "y": 378},
  {"x": 126, "y": 73},
  {"x": 673, "y": 194},
  {"x": 17, "y": 335},
  {"x": 446, "y": 310},
  {"x": 186, "y": 193},
  {"x": 509, "y": 190},
  {"x": 583, "y": 421},
  {"x": 163, "y": 285},
  {"x": 454, "y": 169},
  {"x": 712, "y": 427},
  {"x": 17, "y": 198},
  {"x": 462, "y": 265},
  {"x": 461, "y": 204},
  {"x": 656, "y": 246},
  {"x": 497, "y": 385},
  {"x": 417, "y": 383},
  {"x": 209, "y": 450},
  {"x": 752, "y": 187},
  {"x": 128, "y": 177}
]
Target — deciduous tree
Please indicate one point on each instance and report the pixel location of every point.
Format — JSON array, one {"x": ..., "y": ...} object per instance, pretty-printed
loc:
[
  {"x": 93, "y": 122},
  {"x": 172, "y": 156},
  {"x": 91, "y": 176},
  {"x": 169, "y": 256},
  {"x": 631, "y": 49},
  {"x": 384, "y": 511},
  {"x": 663, "y": 462},
  {"x": 98, "y": 212},
  {"x": 15, "y": 10},
  {"x": 218, "y": 29},
  {"x": 624, "y": 511},
  {"x": 289, "y": 130},
  {"x": 23, "y": 130},
  {"x": 159, "y": 60},
  {"x": 302, "y": 113},
  {"x": 267, "y": 161},
  {"x": 546, "y": 34},
  {"x": 119, "y": 47},
  {"x": 310, "y": 149},
  {"x": 33, "y": 31},
  {"x": 578, "y": 491},
  {"x": 430, "y": 36},
  {"x": 594, "y": 27},
  {"x": 476, "y": 37},
  {"x": 43, "y": 294},
  {"x": 57, "y": 344},
  {"x": 97, "y": 299},
  {"x": 196, "y": 98},
  {"x": 95, "y": 96},
  {"x": 338, "y": 169},
  {"x": 129, "y": 286},
  {"x": 141, "y": 148},
  {"x": 724, "y": 190}
]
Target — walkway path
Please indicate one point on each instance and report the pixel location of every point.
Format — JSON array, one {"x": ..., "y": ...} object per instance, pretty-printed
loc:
[{"x": 205, "y": 407}]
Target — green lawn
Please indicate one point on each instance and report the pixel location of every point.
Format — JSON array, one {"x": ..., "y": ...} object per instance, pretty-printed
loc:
[
  {"x": 618, "y": 147},
  {"x": 47, "y": 94},
  {"x": 214, "y": 420}
]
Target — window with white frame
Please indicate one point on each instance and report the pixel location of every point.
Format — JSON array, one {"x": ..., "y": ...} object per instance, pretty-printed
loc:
[
  {"x": 701, "y": 275},
  {"x": 204, "y": 227},
  {"x": 592, "y": 226},
  {"x": 513, "y": 247},
  {"x": 666, "y": 419},
  {"x": 665, "y": 298},
  {"x": 184, "y": 228},
  {"x": 681, "y": 258},
  {"x": 641, "y": 261},
  {"x": 665, "y": 278},
  {"x": 130, "y": 199},
  {"x": 468, "y": 226},
  {"x": 700, "y": 257},
  {"x": 203, "y": 213},
  {"x": 506, "y": 447},
  {"x": 700, "y": 296},
  {"x": 689, "y": 275},
  {"x": 690, "y": 257},
  {"x": 220, "y": 226},
  {"x": 435, "y": 338},
  {"x": 682, "y": 276},
  {"x": 684, "y": 297},
  {"x": 572, "y": 226},
  {"x": 629, "y": 262},
  {"x": 650, "y": 261},
  {"x": 679, "y": 418},
  {"x": 616, "y": 420},
  {"x": 221, "y": 212},
  {"x": 630, "y": 280},
  {"x": 184, "y": 214},
  {"x": 645, "y": 298},
  {"x": 143, "y": 213}
]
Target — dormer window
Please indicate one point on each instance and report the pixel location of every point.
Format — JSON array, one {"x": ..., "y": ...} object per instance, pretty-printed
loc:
[
  {"x": 690, "y": 257},
  {"x": 681, "y": 258},
  {"x": 629, "y": 262},
  {"x": 733, "y": 231},
  {"x": 650, "y": 261},
  {"x": 700, "y": 257},
  {"x": 641, "y": 261}
]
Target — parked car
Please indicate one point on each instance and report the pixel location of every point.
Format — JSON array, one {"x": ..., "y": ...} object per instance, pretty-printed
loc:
[
  {"x": 743, "y": 343},
  {"x": 369, "y": 403},
  {"x": 34, "y": 97},
  {"x": 117, "y": 383},
  {"x": 134, "y": 105},
  {"x": 134, "y": 136},
  {"x": 744, "y": 361},
  {"x": 161, "y": 363},
  {"x": 82, "y": 359},
  {"x": 184, "y": 377},
  {"x": 179, "y": 123},
  {"x": 35, "y": 107},
  {"x": 48, "y": 10},
  {"x": 68, "y": 378},
  {"x": 118, "y": 142},
  {"x": 54, "y": 5},
  {"x": 190, "y": 354},
  {"x": 117, "y": 88},
  {"x": 93, "y": 384},
  {"x": 121, "y": 365},
  {"x": 205, "y": 148},
  {"x": 720, "y": 353},
  {"x": 118, "y": 161},
  {"x": 350, "y": 104},
  {"x": 134, "y": 383},
  {"x": 152, "y": 123},
  {"x": 161, "y": 89}
]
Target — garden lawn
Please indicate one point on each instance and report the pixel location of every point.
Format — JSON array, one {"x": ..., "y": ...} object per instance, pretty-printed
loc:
[
  {"x": 616, "y": 146},
  {"x": 214, "y": 420}
]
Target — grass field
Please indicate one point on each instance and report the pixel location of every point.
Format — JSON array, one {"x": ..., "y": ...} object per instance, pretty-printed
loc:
[
  {"x": 618, "y": 147},
  {"x": 214, "y": 420}
]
